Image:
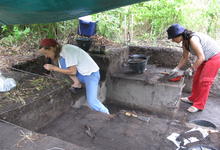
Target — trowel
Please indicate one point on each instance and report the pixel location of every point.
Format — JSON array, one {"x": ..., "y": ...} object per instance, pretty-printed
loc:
[
  {"x": 172, "y": 78},
  {"x": 142, "y": 118},
  {"x": 175, "y": 78}
]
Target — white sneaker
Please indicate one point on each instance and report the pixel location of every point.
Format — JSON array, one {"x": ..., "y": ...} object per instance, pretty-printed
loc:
[{"x": 186, "y": 100}]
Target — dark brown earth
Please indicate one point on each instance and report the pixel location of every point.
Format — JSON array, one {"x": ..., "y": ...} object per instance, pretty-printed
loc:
[
  {"x": 93, "y": 130},
  {"x": 29, "y": 87}
]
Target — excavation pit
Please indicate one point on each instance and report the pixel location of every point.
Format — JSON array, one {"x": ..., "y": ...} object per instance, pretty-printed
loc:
[{"x": 44, "y": 115}]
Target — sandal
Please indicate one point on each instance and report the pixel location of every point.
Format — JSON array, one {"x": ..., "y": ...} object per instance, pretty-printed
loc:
[
  {"x": 186, "y": 100},
  {"x": 193, "y": 109}
]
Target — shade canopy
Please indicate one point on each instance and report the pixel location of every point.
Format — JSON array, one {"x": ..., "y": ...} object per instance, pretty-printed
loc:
[{"x": 47, "y": 11}]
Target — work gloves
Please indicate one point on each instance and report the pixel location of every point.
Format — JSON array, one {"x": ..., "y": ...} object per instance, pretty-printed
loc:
[
  {"x": 188, "y": 72},
  {"x": 174, "y": 71}
]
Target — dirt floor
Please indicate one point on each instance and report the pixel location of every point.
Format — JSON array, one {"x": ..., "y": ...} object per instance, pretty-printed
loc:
[
  {"x": 210, "y": 113},
  {"x": 94, "y": 130}
]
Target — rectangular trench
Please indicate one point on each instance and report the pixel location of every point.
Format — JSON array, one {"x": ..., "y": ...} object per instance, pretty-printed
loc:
[
  {"x": 49, "y": 113},
  {"x": 56, "y": 125}
]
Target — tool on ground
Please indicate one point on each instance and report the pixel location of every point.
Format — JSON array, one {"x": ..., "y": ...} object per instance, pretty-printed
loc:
[
  {"x": 142, "y": 118},
  {"x": 89, "y": 132},
  {"x": 166, "y": 73}
]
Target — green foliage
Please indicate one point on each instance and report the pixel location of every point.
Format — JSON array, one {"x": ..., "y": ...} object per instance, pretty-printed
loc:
[
  {"x": 150, "y": 19},
  {"x": 109, "y": 23},
  {"x": 31, "y": 34},
  {"x": 157, "y": 15},
  {"x": 212, "y": 14},
  {"x": 147, "y": 20},
  {"x": 15, "y": 35}
]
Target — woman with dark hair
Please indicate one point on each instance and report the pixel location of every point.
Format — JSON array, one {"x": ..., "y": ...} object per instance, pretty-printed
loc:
[
  {"x": 205, "y": 67},
  {"x": 76, "y": 63}
]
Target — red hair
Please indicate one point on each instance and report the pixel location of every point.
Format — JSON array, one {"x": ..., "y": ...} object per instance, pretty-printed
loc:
[{"x": 48, "y": 43}]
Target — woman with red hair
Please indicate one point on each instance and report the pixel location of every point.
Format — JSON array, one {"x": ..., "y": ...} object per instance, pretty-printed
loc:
[{"x": 76, "y": 63}]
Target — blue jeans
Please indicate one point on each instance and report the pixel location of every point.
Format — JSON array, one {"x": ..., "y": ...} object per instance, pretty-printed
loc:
[{"x": 91, "y": 82}]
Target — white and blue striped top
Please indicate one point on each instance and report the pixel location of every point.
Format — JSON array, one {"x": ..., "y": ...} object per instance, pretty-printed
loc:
[{"x": 209, "y": 46}]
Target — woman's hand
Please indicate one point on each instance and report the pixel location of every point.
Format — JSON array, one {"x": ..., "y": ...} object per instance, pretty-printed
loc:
[
  {"x": 174, "y": 71},
  {"x": 188, "y": 72},
  {"x": 49, "y": 67},
  {"x": 69, "y": 71},
  {"x": 184, "y": 58}
]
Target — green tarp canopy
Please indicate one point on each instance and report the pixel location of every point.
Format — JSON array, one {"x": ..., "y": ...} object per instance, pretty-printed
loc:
[{"x": 46, "y": 11}]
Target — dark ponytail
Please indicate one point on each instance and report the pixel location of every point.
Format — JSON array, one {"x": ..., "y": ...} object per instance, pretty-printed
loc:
[{"x": 187, "y": 34}]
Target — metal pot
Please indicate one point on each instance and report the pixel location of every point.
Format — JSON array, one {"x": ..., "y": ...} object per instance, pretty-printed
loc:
[
  {"x": 137, "y": 56},
  {"x": 137, "y": 63}
]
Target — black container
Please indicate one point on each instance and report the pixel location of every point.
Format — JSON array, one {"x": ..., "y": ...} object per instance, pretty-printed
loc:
[
  {"x": 204, "y": 123},
  {"x": 84, "y": 43},
  {"x": 137, "y": 63},
  {"x": 137, "y": 56},
  {"x": 200, "y": 147}
]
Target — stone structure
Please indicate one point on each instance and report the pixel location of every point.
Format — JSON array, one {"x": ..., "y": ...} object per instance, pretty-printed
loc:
[
  {"x": 145, "y": 91},
  {"x": 169, "y": 57}
]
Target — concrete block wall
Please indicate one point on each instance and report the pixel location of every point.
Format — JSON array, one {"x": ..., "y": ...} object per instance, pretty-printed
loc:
[
  {"x": 109, "y": 63},
  {"x": 136, "y": 93}
]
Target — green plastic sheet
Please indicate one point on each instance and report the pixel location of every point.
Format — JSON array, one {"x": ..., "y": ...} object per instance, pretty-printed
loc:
[{"x": 47, "y": 11}]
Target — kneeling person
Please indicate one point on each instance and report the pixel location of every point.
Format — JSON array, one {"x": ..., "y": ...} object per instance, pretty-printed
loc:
[{"x": 76, "y": 63}]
